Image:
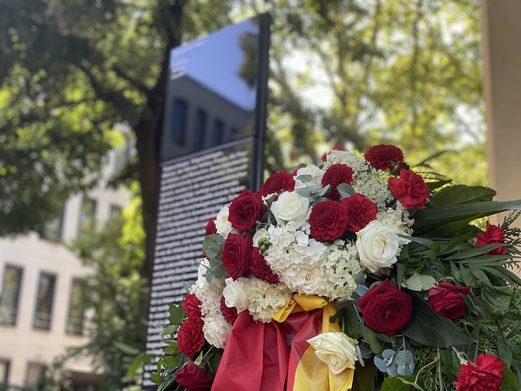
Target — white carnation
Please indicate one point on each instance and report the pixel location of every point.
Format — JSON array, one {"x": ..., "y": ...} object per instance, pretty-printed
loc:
[
  {"x": 377, "y": 246},
  {"x": 216, "y": 329},
  {"x": 236, "y": 293},
  {"x": 290, "y": 206},
  {"x": 314, "y": 172},
  {"x": 260, "y": 237},
  {"x": 223, "y": 226}
]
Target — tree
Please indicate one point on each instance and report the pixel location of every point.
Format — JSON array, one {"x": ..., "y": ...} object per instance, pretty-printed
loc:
[
  {"x": 70, "y": 72},
  {"x": 115, "y": 296},
  {"x": 343, "y": 72}
]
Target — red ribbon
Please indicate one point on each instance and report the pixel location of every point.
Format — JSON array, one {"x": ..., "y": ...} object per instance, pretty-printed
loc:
[{"x": 264, "y": 356}]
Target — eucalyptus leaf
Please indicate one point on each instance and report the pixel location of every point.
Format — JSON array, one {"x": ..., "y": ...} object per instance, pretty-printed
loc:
[
  {"x": 419, "y": 282},
  {"x": 304, "y": 178},
  {"x": 345, "y": 190},
  {"x": 212, "y": 245}
]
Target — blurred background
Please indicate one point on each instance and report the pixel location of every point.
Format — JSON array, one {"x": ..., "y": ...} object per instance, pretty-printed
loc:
[{"x": 82, "y": 95}]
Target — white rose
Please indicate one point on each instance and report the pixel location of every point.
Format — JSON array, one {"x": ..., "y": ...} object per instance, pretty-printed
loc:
[
  {"x": 216, "y": 330},
  {"x": 336, "y": 350},
  {"x": 313, "y": 171},
  {"x": 223, "y": 226},
  {"x": 290, "y": 207},
  {"x": 261, "y": 236},
  {"x": 236, "y": 293},
  {"x": 377, "y": 246}
]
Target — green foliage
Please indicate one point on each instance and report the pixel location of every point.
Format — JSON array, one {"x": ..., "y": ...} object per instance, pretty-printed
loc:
[{"x": 118, "y": 298}]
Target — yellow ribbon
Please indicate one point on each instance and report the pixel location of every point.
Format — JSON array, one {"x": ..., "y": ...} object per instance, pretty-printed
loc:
[{"x": 312, "y": 374}]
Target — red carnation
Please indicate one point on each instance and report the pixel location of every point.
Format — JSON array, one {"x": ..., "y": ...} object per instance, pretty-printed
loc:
[
  {"x": 485, "y": 375},
  {"x": 260, "y": 269},
  {"x": 236, "y": 255},
  {"x": 385, "y": 308},
  {"x": 229, "y": 313},
  {"x": 245, "y": 210},
  {"x": 383, "y": 157},
  {"x": 410, "y": 189},
  {"x": 446, "y": 299},
  {"x": 493, "y": 234},
  {"x": 334, "y": 176},
  {"x": 360, "y": 211},
  {"x": 328, "y": 221},
  {"x": 190, "y": 338},
  {"x": 193, "y": 378},
  {"x": 211, "y": 229},
  {"x": 192, "y": 306},
  {"x": 278, "y": 182}
]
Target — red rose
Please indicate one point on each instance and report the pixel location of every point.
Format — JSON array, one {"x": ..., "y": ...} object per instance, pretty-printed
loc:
[
  {"x": 485, "y": 375},
  {"x": 190, "y": 338},
  {"x": 260, "y": 269},
  {"x": 236, "y": 256},
  {"x": 385, "y": 308},
  {"x": 278, "y": 182},
  {"x": 193, "y": 378},
  {"x": 334, "y": 176},
  {"x": 328, "y": 221},
  {"x": 410, "y": 189},
  {"x": 446, "y": 300},
  {"x": 245, "y": 210},
  {"x": 383, "y": 157},
  {"x": 493, "y": 234},
  {"x": 360, "y": 211},
  {"x": 211, "y": 229},
  {"x": 229, "y": 313},
  {"x": 192, "y": 306}
]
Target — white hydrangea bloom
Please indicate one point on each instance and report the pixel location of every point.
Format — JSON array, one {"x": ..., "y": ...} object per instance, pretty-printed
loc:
[
  {"x": 266, "y": 299},
  {"x": 374, "y": 185},
  {"x": 356, "y": 162}
]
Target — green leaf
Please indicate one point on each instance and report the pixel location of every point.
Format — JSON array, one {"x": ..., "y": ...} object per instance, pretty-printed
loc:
[
  {"x": 461, "y": 194},
  {"x": 419, "y": 282},
  {"x": 135, "y": 365},
  {"x": 127, "y": 349},
  {"x": 429, "y": 217},
  {"x": 169, "y": 330},
  {"x": 399, "y": 383},
  {"x": 212, "y": 245},
  {"x": 371, "y": 338},
  {"x": 431, "y": 244},
  {"x": 177, "y": 314},
  {"x": 430, "y": 329},
  {"x": 365, "y": 378},
  {"x": 475, "y": 251},
  {"x": 509, "y": 382},
  {"x": 352, "y": 322},
  {"x": 400, "y": 272}
]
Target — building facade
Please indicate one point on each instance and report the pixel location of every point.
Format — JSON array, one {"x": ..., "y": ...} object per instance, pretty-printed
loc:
[{"x": 41, "y": 289}]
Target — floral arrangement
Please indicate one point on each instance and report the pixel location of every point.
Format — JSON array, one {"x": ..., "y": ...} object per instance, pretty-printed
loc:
[{"x": 362, "y": 271}]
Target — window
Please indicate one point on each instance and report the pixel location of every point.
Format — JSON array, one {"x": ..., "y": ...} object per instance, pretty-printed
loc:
[
  {"x": 114, "y": 211},
  {"x": 10, "y": 295},
  {"x": 33, "y": 374},
  {"x": 87, "y": 215},
  {"x": 53, "y": 229},
  {"x": 4, "y": 371},
  {"x": 199, "y": 130},
  {"x": 76, "y": 311},
  {"x": 180, "y": 111},
  {"x": 218, "y": 132},
  {"x": 44, "y": 301}
]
